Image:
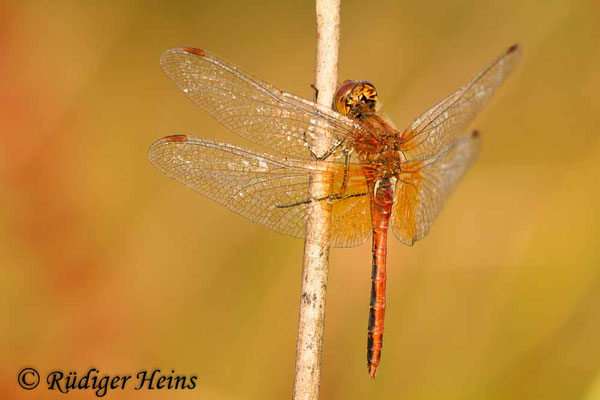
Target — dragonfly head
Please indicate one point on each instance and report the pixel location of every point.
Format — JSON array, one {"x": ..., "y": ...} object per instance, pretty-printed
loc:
[{"x": 355, "y": 97}]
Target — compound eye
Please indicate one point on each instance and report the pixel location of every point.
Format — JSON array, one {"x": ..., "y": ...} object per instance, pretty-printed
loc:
[
  {"x": 341, "y": 101},
  {"x": 368, "y": 91}
]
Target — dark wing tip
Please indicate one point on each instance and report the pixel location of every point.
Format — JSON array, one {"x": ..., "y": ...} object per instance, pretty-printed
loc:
[
  {"x": 167, "y": 54},
  {"x": 475, "y": 134},
  {"x": 166, "y": 139},
  {"x": 176, "y": 138},
  {"x": 193, "y": 50},
  {"x": 157, "y": 148},
  {"x": 513, "y": 48}
]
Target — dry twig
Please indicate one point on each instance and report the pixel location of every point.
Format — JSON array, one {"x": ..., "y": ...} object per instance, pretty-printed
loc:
[{"x": 316, "y": 256}]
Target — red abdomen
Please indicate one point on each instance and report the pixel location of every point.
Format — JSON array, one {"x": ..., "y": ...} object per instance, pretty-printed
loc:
[{"x": 382, "y": 200}]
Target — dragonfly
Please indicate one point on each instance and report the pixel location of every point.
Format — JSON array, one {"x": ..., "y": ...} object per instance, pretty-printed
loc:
[{"x": 376, "y": 175}]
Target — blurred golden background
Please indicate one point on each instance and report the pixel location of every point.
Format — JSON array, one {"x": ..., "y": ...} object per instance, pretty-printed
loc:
[{"x": 106, "y": 262}]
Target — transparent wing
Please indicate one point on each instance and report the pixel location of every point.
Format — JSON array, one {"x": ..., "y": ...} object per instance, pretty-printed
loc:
[
  {"x": 251, "y": 107},
  {"x": 269, "y": 190},
  {"x": 420, "y": 195},
  {"x": 440, "y": 127}
]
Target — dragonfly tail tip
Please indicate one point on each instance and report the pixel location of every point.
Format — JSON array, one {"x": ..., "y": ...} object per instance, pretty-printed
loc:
[{"x": 372, "y": 371}]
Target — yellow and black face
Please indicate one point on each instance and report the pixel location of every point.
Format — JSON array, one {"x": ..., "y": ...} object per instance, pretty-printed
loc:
[{"x": 354, "y": 98}]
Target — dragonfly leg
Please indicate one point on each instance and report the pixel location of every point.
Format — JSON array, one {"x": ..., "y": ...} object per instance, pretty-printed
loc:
[
  {"x": 325, "y": 155},
  {"x": 316, "y": 96},
  {"x": 346, "y": 171},
  {"x": 331, "y": 197},
  {"x": 337, "y": 196}
]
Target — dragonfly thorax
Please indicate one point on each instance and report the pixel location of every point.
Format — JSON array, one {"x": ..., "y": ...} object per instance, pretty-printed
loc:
[
  {"x": 377, "y": 146},
  {"x": 354, "y": 98}
]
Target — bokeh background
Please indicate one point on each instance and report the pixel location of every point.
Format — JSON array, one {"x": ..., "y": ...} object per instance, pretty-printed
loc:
[{"x": 106, "y": 262}]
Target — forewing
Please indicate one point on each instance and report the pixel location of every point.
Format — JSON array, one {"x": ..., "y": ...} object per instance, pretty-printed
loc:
[
  {"x": 269, "y": 190},
  {"x": 445, "y": 123},
  {"x": 420, "y": 195},
  {"x": 251, "y": 107}
]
